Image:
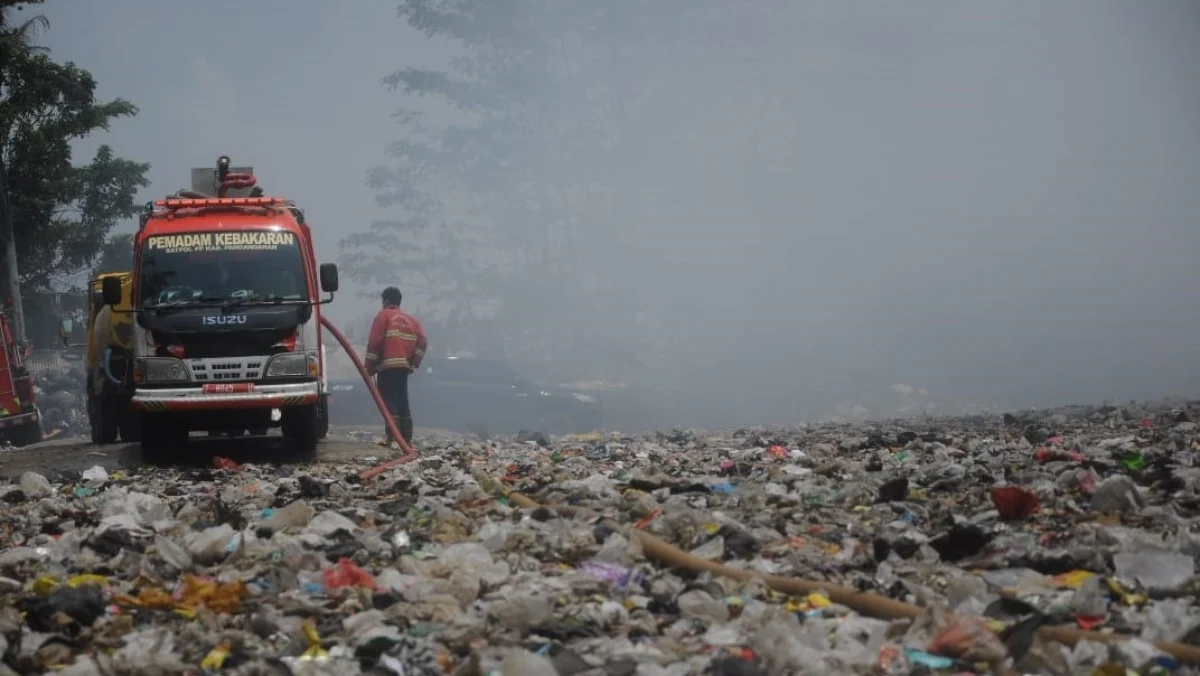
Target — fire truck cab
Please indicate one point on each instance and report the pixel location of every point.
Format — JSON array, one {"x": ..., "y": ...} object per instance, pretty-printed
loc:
[
  {"x": 226, "y": 313},
  {"x": 20, "y": 420}
]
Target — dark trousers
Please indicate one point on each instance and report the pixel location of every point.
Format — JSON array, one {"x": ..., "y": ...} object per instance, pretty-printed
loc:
[{"x": 393, "y": 387}]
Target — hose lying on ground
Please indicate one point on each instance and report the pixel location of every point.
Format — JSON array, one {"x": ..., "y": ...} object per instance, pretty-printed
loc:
[{"x": 873, "y": 605}]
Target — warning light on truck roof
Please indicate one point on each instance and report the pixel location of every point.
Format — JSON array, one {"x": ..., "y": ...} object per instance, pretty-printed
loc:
[{"x": 221, "y": 202}]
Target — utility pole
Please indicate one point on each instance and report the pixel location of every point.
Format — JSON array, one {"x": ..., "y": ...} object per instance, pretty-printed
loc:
[{"x": 10, "y": 282}]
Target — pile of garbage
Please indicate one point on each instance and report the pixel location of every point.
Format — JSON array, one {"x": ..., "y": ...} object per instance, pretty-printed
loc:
[
  {"x": 62, "y": 399},
  {"x": 945, "y": 546}
]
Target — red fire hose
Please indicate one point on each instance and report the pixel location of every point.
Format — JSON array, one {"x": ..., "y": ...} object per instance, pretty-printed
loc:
[
  {"x": 410, "y": 454},
  {"x": 236, "y": 181}
]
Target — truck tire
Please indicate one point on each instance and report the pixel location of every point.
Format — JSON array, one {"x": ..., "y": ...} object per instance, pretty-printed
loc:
[
  {"x": 27, "y": 433},
  {"x": 102, "y": 419},
  {"x": 323, "y": 416},
  {"x": 301, "y": 426},
  {"x": 153, "y": 442},
  {"x": 130, "y": 426}
]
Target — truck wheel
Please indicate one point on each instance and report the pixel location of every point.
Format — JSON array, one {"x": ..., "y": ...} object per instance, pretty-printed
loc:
[
  {"x": 28, "y": 433},
  {"x": 153, "y": 441},
  {"x": 131, "y": 426},
  {"x": 323, "y": 416},
  {"x": 102, "y": 420},
  {"x": 301, "y": 427}
]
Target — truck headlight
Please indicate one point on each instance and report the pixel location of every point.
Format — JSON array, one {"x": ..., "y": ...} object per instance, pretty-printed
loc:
[
  {"x": 292, "y": 365},
  {"x": 160, "y": 370}
]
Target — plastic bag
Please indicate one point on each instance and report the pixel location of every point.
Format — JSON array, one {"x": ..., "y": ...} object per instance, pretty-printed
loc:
[
  {"x": 967, "y": 638},
  {"x": 347, "y": 574},
  {"x": 1014, "y": 503}
]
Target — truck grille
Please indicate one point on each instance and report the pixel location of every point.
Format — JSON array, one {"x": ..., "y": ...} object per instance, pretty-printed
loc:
[{"x": 221, "y": 370}]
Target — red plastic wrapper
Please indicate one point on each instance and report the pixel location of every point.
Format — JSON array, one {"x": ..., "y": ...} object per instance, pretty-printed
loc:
[
  {"x": 221, "y": 462},
  {"x": 1090, "y": 622},
  {"x": 1014, "y": 503},
  {"x": 1048, "y": 455},
  {"x": 347, "y": 574}
]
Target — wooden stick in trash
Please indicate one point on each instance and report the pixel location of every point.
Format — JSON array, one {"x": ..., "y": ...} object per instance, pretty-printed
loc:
[{"x": 865, "y": 603}]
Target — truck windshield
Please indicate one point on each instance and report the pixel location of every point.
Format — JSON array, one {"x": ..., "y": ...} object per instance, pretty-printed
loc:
[{"x": 253, "y": 265}]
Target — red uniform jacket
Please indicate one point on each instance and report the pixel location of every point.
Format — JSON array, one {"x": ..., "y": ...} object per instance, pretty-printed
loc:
[{"x": 397, "y": 342}]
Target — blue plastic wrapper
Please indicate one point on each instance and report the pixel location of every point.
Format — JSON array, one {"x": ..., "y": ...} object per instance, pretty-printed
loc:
[{"x": 928, "y": 659}]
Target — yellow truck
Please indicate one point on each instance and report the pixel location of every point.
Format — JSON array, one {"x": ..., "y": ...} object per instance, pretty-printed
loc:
[{"x": 109, "y": 363}]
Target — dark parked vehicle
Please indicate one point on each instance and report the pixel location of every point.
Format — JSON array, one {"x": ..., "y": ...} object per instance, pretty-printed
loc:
[{"x": 468, "y": 394}]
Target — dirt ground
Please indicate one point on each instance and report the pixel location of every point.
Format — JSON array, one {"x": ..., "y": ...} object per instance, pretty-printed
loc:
[{"x": 78, "y": 454}]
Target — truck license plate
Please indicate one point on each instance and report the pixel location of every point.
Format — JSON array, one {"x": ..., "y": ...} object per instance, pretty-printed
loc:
[{"x": 228, "y": 388}]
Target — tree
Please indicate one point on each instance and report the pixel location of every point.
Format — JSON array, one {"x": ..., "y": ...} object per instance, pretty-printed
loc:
[
  {"x": 577, "y": 168},
  {"x": 497, "y": 216},
  {"x": 15, "y": 43},
  {"x": 59, "y": 214},
  {"x": 116, "y": 255},
  {"x": 64, "y": 231}
]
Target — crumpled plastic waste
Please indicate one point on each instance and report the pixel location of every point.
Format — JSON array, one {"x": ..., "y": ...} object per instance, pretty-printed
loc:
[
  {"x": 61, "y": 390},
  {"x": 1079, "y": 518}
]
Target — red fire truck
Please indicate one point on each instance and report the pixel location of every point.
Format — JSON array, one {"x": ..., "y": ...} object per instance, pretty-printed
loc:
[
  {"x": 227, "y": 310},
  {"x": 20, "y": 421}
]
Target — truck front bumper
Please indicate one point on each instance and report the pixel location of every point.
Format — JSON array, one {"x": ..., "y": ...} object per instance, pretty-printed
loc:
[
  {"x": 19, "y": 419},
  {"x": 194, "y": 398}
]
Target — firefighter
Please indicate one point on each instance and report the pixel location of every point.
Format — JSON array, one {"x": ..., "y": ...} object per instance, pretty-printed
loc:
[{"x": 394, "y": 350}]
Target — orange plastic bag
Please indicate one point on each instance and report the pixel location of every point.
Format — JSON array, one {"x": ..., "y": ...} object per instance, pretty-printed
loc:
[
  {"x": 347, "y": 574},
  {"x": 193, "y": 593},
  {"x": 217, "y": 597},
  {"x": 154, "y": 598}
]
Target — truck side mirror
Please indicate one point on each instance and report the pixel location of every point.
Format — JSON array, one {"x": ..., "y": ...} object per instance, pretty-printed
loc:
[
  {"x": 329, "y": 277},
  {"x": 111, "y": 290}
]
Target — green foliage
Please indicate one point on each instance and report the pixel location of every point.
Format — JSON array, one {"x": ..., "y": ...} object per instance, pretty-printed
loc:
[
  {"x": 65, "y": 230},
  {"x": 115, "y": 256},
  {"x": 61, "y": 213}
]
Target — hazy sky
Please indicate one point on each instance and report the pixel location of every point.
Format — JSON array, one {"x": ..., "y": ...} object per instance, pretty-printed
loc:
[
  {"x": 290, "y": 87},
  {"x": 997, "y": 201}
]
